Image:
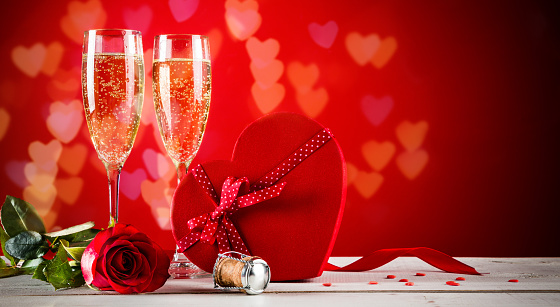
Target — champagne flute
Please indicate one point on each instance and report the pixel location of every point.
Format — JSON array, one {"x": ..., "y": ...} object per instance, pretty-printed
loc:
[
  {"x": 113, "y": 94},
  {"x": 182, "y": 83}
]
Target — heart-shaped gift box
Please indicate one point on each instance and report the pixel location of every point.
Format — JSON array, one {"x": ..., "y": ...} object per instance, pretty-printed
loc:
[{"x": 293, "y": 232}]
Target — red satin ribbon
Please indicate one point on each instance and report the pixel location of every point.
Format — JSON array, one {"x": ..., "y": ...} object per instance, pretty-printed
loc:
[{"x": 378, "y": 258}]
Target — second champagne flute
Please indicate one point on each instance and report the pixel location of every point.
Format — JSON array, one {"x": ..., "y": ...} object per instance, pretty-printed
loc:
[{"x": 182, "y": 84}]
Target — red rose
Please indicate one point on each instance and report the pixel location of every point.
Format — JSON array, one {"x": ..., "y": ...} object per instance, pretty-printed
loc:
[{"x": 123, "y": 259}]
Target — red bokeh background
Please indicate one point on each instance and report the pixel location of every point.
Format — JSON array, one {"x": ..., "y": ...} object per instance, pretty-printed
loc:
[{"x": 482, "y": 78}]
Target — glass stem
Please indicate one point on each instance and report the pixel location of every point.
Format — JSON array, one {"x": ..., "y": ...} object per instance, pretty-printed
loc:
[
  {"x": 113, "y": 174},
  {"x": 182, "y": 168}
]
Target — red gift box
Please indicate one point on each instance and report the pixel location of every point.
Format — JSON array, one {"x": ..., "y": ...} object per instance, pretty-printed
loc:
[{"x": 281, "y": 197}]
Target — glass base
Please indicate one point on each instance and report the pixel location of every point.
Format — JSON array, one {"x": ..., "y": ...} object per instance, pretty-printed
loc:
[{"x": 183, "y": 268}]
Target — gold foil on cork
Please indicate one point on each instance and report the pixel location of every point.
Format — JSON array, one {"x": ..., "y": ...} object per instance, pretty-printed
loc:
[{"x": 249, "y": 274}]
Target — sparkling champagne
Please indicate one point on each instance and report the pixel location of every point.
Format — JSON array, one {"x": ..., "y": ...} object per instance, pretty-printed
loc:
[
  {"x": 112, "y": 85},
  {"x": 182, "y": 89}
]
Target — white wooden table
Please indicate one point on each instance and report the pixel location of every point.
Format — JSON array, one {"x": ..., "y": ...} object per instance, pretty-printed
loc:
[{"x": 539, "y": 285}]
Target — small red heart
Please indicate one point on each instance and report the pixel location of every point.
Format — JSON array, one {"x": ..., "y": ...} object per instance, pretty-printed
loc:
[{"x": 294, "y": 232}]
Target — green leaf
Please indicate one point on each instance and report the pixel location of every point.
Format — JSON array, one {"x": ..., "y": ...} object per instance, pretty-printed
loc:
[
  {"x": 74, "y": 252},
  {"x": 18, "y": 215},
  {"x": 33, "y": 263},
  {"x": 71, "y": 230},
  {"x": 81, "y": 238},
  {"x": 3, "y": 238},
  {"x": 27, "y": 245},
  {"x": 77, "y": 236},
  {"x": 60, "y": 274},
  {"x": 29, "y": 266},
  {"x": 7, "y": 272},
  {"x": 38, "y": 273},
  {"x": 2, "y": 264},
  {"x": 80, "y": 244}
]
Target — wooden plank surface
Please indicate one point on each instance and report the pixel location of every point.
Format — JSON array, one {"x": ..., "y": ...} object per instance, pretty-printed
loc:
[{"x": 539, "y": 285}]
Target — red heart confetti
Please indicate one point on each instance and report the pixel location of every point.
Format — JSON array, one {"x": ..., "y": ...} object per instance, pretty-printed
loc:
[
  {"x": 452, "y": 283},
  {"x": 403, "y": 280},
  {"x": 409, "y": 284},
  {"x": 327, "y": 284},
  {"x": 391, "y": 276},
  {"x": 513, "y": 280},
  {"x": 420, "y": 274},
  {"x": 460, "y": 278},
  {"x": 373, "y": 282}
]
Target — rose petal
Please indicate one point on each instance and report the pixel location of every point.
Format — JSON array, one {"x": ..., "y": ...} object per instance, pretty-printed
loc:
[
  {"x": 116, "y": 240},
  {"x": 89, "y": 258},
  {"x": 99, "y": 278},
  {"x": 100, "y": 239},
  {"x": 140, "y": 237},
  {"x": 139, "y": 274},
  {"x": 113, "y": 256},
  {"x": 142, "y": 274},
  {"x": 131, "y": 270},
  {"x": 142, "y": 271},
  {"x": 161, "y": 273},
  {"x": 122, "y": 289},
  {"x": 108, "y": 268},
  {"x": 101, "y": 283},
  {"x": 152, "y": 259},
  {"x": 116, "y": 256},
  {"x": 118, "y": 263},
  {"x": 148, "y": 251},
  {"x": 112, "y": 234},
  {"x": 144, "y": 278},
  {"x": 125, "y": 229}
]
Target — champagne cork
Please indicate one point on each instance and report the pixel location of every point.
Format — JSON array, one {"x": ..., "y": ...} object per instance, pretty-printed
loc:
[{"x": 250, "y": 274}]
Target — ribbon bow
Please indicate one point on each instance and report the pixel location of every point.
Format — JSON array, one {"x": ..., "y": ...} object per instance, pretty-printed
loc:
[{"x": 216, "y": 226}]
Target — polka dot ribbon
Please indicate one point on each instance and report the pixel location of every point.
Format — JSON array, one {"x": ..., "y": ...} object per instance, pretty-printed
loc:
[
  {"x": 294, "y": 159},
  {"x": 216, "y": 227}
]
